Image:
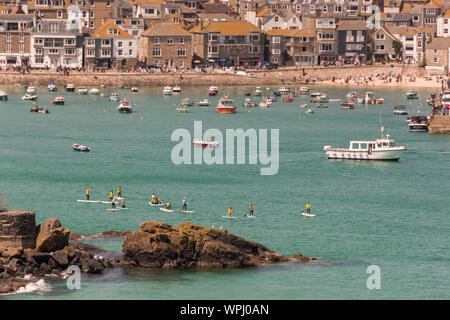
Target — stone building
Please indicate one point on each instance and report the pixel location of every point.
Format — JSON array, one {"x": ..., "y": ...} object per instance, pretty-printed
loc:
[
  {"x": 166, "y": 44},
  {"x": 352, "y": 40},
  {"x": 15, "y": 39},
  {"x": 290, "y": 47},
  {"x": 17, "y": 229},
  {"x": 437, "y": 55},
  {"x": 228, "y": 43}
]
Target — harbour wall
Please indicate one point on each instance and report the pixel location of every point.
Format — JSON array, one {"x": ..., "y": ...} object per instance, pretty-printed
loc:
[
  {"x": 439, "y": 124},
  {"x": 262, "y": 77}
]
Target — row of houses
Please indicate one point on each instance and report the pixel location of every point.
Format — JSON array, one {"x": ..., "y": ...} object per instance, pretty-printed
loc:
[{"x": 179, "y": 33}]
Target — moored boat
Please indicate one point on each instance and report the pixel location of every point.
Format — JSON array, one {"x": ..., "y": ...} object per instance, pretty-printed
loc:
[
  {"x": 303, "y": 90},
  {"x": 30, "y": 90},
  {"x": 322, "y": 106},
  {"x": 309, "y": 111},
  {"x": 418, "y": 123},
  {"x": 347, "y": 104},
  {"x": 284, "y": 90},
  {"x": 205, "y": 143},
  {"x": 70, "y": 87},
  {"x": 203, "y": 103},
  {"x": 29, "y": 96},
  {"x": 125, "y": 107},
  {"x": 3, "y": 95},
  {"x": 167, "y": 91},
  {"x": 94, "y": 91},
  {"x": 399, "y": 109},
  {"x": 82, "y": 90},
  {"x": 183, "y": 109},
  {"x": 79, "y": 147},
  {"x": 352, "y": 95},
  {"x": 134, "y": 89},
  {"x": 287, "y": 98},
  {"x": 315, "y": 94},
  {"x": 114, "y": 96},
  {"x": 382, "y": 148},
  {"x": 249, "y": 103},
  {"x": 258, "y": 91},
  {"x": 51, "y": 86},
  {"x": 39, "y": 109},
  {"x": 58, "y": 100},
  {"x": 226, "y": 105},
  {"x": 412, "y": 94},
  {"x": 187, "y": 102},
  {"x": 213, "y": 91},
  {"x": 176, "y": 89}
]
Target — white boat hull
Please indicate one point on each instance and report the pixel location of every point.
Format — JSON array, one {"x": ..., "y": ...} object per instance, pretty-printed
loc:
[{"x": 391, "y": 155}]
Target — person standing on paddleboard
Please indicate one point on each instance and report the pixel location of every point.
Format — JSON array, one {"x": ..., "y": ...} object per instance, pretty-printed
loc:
[
  {"x": 230, "y": 212},
  {"x": 122, "y": 204},
  {"x": 88, "y": 193},
  {"x": 111, "y": 195},
  {"x": 308, "y": 207},
  {"x": 250, "y": 209},
  {"x": 185, "y": 204},
  {"x": 119, "y": 192}
]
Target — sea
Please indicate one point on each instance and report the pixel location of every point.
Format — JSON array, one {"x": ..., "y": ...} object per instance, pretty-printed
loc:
[{"x": 381, "y": 229}]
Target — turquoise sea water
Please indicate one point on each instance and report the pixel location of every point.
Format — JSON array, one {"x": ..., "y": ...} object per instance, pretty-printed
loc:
[{"x": 391, "y": 214}]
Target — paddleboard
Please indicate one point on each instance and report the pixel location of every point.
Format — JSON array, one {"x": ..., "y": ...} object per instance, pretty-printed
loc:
[
  {"x": 308, "y": 214},
  {"x": 109, "y": 202},
  {"x": 227, "y": 217},
  {"x": 166, "y": 210},
  {"x": 156, "y": 204},
  {"x": 90, "y": 201},
  {"x": 187, "y": 211},
  {"x": 251, "y": 217},
  {"x": 116, "y": 209}
]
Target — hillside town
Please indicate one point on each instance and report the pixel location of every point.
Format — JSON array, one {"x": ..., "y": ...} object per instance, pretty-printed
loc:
[{"x": 174, "y": 35}]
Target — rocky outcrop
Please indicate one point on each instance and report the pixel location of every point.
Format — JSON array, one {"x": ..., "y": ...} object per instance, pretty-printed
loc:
[
  {"x": 17, "y": 229},
  {"x": 51, "y": 236},
  {"x": 160, "y": 245}
]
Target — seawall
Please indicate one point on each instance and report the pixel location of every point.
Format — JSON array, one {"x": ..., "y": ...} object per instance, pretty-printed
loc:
[
  {"x": 262, "y": 77},
  {"x": 439, "y": 124}
]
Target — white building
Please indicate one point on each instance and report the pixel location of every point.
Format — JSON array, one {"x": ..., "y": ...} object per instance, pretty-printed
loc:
[{"x": 443, "y": 25}]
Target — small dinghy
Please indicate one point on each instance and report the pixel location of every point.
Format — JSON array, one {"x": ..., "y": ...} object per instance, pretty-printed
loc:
[
  {"x": 134, "y": 89},
  {"x": 82, "y": 90},
  {"x": 58, "y": 100},
  {"x": 79, "y": 147},
  {"x": 183, "y": 109},
  {"x": 94, "y": 91},
  {"x": 309, "y": 111},
  {"x": 39, "y": 109},
  {"x": 125, "y": 107},
  {"x": 322, "y": 106},
  {"x": 203, "y": 103}
]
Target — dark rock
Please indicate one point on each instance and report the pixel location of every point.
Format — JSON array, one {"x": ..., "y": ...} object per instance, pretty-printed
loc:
[
  {"x": 61, "y": 258},
  {"x": 161, "y": 245}
]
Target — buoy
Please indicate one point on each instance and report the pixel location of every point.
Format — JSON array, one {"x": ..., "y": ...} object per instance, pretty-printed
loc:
[{"x": 51, "y": 102}]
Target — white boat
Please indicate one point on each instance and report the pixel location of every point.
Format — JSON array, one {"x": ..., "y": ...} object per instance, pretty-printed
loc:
[
  {"x": 114, "y": 96},
  {"x": 3, "y": 95},
  {"x": 284, "y": 89},
  {"x": 94, "y": 91},
  {"x": 82, "y": 90},
  {"x": 418, "y": 123},
  {"x": 70, "y": 87},
  {"x": 183, "y": 109},
  {"x": 315, "y": 94},
  {"x": 213, "y": 91},
  {"x": 205, "y": 143},
  {"x": 79, "y": 147},
  {"x": 29, "y": 96},
  {"x": 58, "y": 100},
  {"x": 352, "y": 95},
  {"x": 134, "y": 89},
  {"x": 203, "y": 103},
  {"x": 51, "y": 86},
  {"x": 445, "y": 98},
  {"x": 176, "y": 89},
  {"x": 125, "y": 107},
  {"x": 30, "y": 90},
  {"x": 400, "y": 109},
  {"x": 303, "y": 105},
  {"x": 382, "y": 148},
  {"x": 167, "y": 91},
  {"x": 309, "y": 111},
  {"x": 303, "y": 90},
  {"x": 258, "y": 91}
]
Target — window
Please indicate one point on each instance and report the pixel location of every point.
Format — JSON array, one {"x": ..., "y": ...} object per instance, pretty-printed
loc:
[
  {"x": 59, "y": 14},
  {"x": 275, "y": 51},
  {"x": 92, "y": 14},
  {"x": 415, "y": 18},
  {"x": 54, "y": 27},
  {"x": 325, "y": 8},
  {"x": 119, "y": 44},
  {"x": 182, "y": 52},
  {"x": 149, "y": 11},
  {"x": 130, "y": 44},
  {"x": 435, "y": 60},
  {"x": 8, "y": 47},
  {"x": 254, "y": 49},
  {"x": 337, "y": 8},
  {"x": 92, "y": 2},
  {"x": 156, "y": 40},
  {"x": 38, "y": 41},
  {"x": 90, "y": 42},
  {"x": 156, "y": 52},
  {"x": 276, "y": 18},
  {"x": 326, "y": 47},
  {"x": 48, "y": 42},
  {"x": 130, "y": 52},
  {"x": 91, "y": 24},
  {"x": 213, "y": 49},
  {"x": 53, "y": 51},
  {"x": 445, "y": 30},
  {"x": 90, "y": 52},
  {"x": 312, "y": 8},
  {"x": 108, "y": 3},
  {"x": 181, "y": 39},
  {"x": 69, "y": 51},
  {"x": 106, "y": 52},
  {"x": 255, "y": 37},
  {"x": 304, "y": 49},
  {"x": 39, "y": 51},
  {"x": 69, "y": 42},
  {"x": 113, "y": 31},
  {"x": 8, "y": 37},
  {"x": 40, "y": 60},
  {"x": 213, "y": 37},
  {"x": 435, "y": 51},
  {"x": 276, "y": 39},
  {"x": 120, "y": 52},
  {"x": 106, "y": 42},
  {"x": 419, "y": 44},
  {"x": 169, "y": 40},
  {"x": 379, "y": 36}
]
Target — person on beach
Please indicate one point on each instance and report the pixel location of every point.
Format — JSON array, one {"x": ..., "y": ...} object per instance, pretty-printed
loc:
[
  {"x": 119, "y": 192},
  {"x": 250, "y": 209},
  {"x": 88, "y": 193},
  {"x": 230, "y": 212},
  {"x": 308, "y": 207},
  {"x": 111, "y": 196},
  {"x": 185, "y": 204}
]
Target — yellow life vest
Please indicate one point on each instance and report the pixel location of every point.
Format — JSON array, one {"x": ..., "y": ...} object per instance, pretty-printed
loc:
[
  {"x": 308, "y": 206},
  {"x": 111, "y": 194}
]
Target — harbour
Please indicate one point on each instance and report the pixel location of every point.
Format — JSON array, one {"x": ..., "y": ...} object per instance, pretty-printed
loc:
[{"x": 366, "y": 212}]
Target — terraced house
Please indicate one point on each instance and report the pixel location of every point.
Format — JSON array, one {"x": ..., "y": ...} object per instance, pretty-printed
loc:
[
  {"x": 291, "y": 47},
  {"x": 166, "y": 45},
  {"x": 353, "y": 38},
  {"x": 234, "y": 43},
  {"x": 15, "y": 38},
  {"x": 110, "y": 46},
  {"x": 56, "y": 43}
]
